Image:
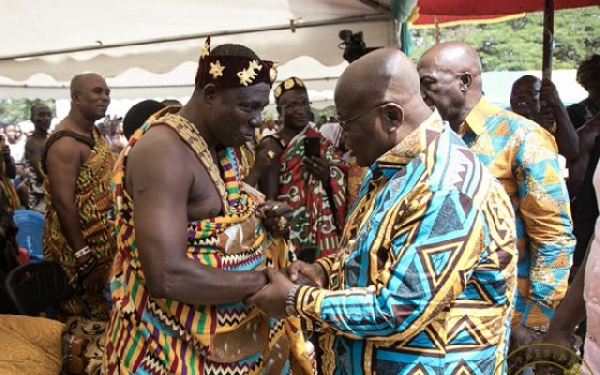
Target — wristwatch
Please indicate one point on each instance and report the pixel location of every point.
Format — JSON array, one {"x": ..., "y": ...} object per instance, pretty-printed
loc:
[{"x": 290, "y": 301}]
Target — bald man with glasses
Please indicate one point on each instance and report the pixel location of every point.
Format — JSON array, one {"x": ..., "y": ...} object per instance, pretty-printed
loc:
[{"x": 424, "y": 277}]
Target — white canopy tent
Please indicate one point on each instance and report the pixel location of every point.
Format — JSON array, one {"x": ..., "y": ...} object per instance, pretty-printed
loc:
[
  {"x": 139, "y": 83},
  {"x": 149, "y": 48}
]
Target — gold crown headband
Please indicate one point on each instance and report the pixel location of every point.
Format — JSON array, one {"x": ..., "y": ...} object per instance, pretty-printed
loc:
[{"x": 233, "y": 71}]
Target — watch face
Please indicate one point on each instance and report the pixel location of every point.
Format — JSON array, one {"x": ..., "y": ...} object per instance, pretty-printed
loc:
[{"x": 290, "y": 301}]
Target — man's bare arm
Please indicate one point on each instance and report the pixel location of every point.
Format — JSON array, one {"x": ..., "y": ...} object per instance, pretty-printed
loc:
[
  {"x": 9, "y": 163},
  {"x": 160, "y": 177},
  {"x": 587, "y": 138},
  {"x": 566, "y": 137},
  {"x": 63, "y": 160},
  {"x": 264, "y": 159},
  {"x": 33, "y": 153}
]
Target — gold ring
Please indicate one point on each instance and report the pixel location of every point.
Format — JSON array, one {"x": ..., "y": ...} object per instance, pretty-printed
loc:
[{"x": 281, "y": 222}]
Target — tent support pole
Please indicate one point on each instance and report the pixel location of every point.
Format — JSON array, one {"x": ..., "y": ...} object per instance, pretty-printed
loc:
[
  {"x": 437, "y": 29},
  {"x": 548, "y": 41}
]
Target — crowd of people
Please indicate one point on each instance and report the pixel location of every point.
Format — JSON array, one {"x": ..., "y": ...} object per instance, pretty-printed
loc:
[{"x": 422, "y": 231}]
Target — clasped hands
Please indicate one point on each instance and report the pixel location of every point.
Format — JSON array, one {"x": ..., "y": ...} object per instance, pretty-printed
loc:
[{"x": 271, "y": 299}]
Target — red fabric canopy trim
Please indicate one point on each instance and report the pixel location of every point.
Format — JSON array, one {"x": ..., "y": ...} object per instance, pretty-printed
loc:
[{"x": 493, "y": 8}]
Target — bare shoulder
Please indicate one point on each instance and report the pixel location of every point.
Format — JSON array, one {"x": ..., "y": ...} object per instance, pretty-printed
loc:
[
  {"x": 159, "y": 156},
  {"x": 270, "y": 143},
  {"x": 591, "y": 127},
  {"x": 164, "y": 171},
  {"x": 588, "y": 133},
  {"x": 157, "y": 140},
  {"x": 67, "y": 149},
  {"x": 34, "y": 143}
]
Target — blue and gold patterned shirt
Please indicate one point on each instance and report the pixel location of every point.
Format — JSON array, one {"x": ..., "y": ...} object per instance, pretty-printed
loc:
[
  {"x": 425, "y": 276},
  {"x": 524, "y": 158}
]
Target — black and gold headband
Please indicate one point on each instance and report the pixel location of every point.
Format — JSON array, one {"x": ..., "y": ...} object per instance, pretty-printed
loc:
[{"x": 292, "y": 83}]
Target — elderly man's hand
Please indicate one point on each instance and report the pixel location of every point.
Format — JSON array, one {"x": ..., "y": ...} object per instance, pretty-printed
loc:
[
  {"x": 553, "y": 347},
  {"x": 271, "y": 299},
  {"x": 276, "y": 216},
  {"x": 549, "y": 94},
  {"x": 318, "y": 166}
]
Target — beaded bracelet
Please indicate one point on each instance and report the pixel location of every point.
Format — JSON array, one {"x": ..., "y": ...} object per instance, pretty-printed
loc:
[{"x": 86, "y": 267}]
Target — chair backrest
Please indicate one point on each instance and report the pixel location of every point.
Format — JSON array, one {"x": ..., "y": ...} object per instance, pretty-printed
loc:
[
  {"x": 34, "y": 287},
  {"x": 31, "y": 232}
]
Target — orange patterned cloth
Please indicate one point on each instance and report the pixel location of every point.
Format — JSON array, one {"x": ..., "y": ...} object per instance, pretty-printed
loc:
[
  {"x": 524, "y": 158},
  {"x": 354, "y": 178}
]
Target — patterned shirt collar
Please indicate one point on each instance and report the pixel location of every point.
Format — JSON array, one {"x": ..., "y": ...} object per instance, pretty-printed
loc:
[
  {"x": 411, "y": 146},
  {"x": 476, "y": 119}
]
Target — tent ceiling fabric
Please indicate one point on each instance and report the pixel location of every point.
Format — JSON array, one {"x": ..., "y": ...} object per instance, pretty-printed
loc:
[
  {"x": 318, "y": 42},
  {"x": 65, "y": 37},
  {"x": 139, "y": 83},
  {"x": 62, "y": 38}
]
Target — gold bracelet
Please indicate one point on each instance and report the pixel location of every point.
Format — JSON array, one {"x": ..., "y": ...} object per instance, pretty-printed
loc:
[{"x": 290, "y": 301}]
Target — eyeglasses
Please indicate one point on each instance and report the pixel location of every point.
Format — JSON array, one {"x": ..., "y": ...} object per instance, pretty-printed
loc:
[
  {"x": 527, "y": 92},
  {"x": 344, "y": 123},
  {"x": 294, "y": 106}
]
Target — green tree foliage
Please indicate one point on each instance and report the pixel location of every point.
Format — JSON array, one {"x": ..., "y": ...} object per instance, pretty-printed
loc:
[
  {"x": 327, "y": 112},
  {"x": 15, "y": 111},
  {"x": 516, "y": 44}
]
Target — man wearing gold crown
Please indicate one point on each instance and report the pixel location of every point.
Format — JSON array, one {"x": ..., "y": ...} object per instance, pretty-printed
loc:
[{"x": 193, "y": 240}]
